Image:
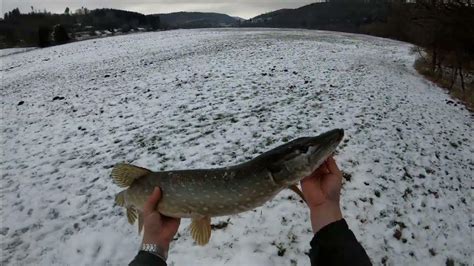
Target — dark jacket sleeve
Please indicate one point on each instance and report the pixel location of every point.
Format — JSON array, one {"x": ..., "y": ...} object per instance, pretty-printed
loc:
[
  {"x": 335, "y": 244},
  {"x": 144, "y": 258}
]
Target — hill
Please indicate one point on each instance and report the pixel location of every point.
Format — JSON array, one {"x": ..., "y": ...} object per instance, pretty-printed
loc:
[
  {"x": 197, "y": 20},
  {"x": 339, "y": 16},
  {"x": 36, "y": 28}
]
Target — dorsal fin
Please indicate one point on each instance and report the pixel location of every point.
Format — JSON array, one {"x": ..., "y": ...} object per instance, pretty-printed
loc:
[{"x": 124, "y": 174}]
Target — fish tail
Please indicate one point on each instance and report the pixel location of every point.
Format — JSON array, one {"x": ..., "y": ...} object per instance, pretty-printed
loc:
[{"x": 124, "y": 174}]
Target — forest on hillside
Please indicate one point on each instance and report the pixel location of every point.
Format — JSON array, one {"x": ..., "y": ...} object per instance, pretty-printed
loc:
[{"x": 42, "y": 28}]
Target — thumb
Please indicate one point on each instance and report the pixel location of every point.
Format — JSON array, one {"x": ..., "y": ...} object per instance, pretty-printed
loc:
[
  {"x": 310, "y": 184},
  {"x": 152, "y": 201},
  {"x": 332, "y": 166}
]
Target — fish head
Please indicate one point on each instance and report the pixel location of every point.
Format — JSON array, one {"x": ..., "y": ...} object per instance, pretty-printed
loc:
[{"x": 297, "y": 159}]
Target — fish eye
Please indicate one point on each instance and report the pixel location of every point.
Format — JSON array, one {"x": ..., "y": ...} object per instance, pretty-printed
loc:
[{"x": 303, "y": 149}]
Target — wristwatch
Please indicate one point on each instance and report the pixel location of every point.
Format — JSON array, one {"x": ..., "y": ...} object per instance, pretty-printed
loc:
[{"x": 155, "y": 250}]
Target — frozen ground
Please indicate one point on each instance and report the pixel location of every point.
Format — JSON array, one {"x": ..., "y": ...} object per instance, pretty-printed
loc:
[
  {"x": 11, "y": 51},
  {"x": 206, "y": 98}
]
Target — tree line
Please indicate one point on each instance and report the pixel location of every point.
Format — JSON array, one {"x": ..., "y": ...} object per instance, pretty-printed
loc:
[
  {"x": 445, "y": 29},
  {"x": 42, "y": 28}
]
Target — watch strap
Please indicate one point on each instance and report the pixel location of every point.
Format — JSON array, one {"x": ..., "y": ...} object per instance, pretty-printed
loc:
[{"x": 155, "y": 250}]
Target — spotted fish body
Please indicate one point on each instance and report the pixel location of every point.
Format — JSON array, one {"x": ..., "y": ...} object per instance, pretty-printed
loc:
[
  {"x": 203, "y": 193},
  {"x": 216, "y": 192}
]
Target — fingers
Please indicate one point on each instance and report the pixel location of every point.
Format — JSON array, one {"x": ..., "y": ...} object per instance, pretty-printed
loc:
[
  {"x": 309, "y": 183},
  {"x": 332, "y": 166},
  {"x": 152, "y": 201},
  {"x": 321, "y": 170},
  {"x": 175, "y": 222},
  {"x": 304, "y": 181}
]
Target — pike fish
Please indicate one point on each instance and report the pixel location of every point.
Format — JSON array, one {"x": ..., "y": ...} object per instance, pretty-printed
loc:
[{"x": 200, "y": 194}]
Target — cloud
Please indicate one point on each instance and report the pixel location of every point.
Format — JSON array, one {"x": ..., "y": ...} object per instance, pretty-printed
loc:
[{"x": 242, "y": 8}]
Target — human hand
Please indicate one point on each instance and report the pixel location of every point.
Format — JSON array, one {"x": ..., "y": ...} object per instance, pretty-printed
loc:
[
  {"x": 322, "y": 190},
  {"x": 158, "y": 229}
]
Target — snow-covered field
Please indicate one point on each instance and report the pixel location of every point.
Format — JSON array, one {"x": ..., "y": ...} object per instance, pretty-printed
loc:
[
  {"x": 207, "y": 98},
  {"x": 11, "y": 51}
]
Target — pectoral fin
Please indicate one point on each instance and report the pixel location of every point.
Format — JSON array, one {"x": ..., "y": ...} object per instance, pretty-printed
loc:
[
  {"x": 297, "y": 191},
  {"x": 201, "y": 230}
]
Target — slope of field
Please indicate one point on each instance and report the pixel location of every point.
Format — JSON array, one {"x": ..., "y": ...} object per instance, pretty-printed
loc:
[
  {"x": 208, "y": 98},
  {"x": 12, "y": 51}
]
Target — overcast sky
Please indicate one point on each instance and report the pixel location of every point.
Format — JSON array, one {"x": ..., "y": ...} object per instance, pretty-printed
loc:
[{"x": 241, "y": 8}]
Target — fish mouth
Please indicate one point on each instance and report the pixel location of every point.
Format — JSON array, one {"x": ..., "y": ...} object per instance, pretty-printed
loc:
[
  {"x": 332, "y": 136},
  {"x": 323, "y": 146},
  {"x": 292, "y": 162},
  {"x": 330, "y": 140}
]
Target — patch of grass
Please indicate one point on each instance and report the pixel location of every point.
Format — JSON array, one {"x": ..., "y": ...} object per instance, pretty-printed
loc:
[
  {"x": 280, "y": 248},
  {"x": 466, "y": 96},
  {"x": 221, "y": 224}
]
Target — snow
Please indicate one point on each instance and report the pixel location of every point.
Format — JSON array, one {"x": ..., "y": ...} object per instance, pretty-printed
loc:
[
  {"x": 11, "y": 51},
  {"x": 215, "y": 97}
]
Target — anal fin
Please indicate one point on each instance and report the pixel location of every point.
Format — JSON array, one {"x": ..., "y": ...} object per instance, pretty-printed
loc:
[
  {"x": 295, "y": 189},
  {"x": 201, "y": 230},
  {"x": 120, "y": 199},
  {"x": 140, "y": 222},
  {"x": 132, "y": 214}
]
